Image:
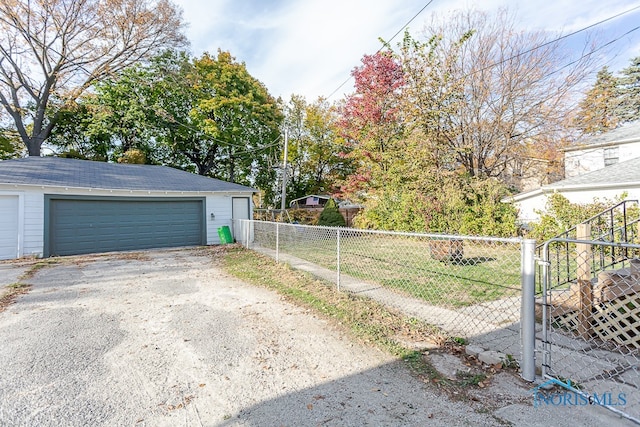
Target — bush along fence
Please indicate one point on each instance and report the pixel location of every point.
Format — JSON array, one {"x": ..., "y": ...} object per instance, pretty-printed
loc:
[{"x": 468, "y": 287}]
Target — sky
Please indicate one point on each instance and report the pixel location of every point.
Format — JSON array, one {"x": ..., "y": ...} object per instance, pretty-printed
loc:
[{"x": 310, "y": 47}]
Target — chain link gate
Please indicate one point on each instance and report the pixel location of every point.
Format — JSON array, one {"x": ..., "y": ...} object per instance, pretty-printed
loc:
[{"x": 589, "y": 308}]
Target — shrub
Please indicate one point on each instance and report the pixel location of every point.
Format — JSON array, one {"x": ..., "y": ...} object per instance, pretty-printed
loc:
[
  {"x": 331, "y": 216},
  {"x": 455, "y": 205},
  {"x": 561, "y": 215}
]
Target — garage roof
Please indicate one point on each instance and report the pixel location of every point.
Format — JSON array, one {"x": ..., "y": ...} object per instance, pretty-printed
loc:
[{"x": 55, "y": 171}]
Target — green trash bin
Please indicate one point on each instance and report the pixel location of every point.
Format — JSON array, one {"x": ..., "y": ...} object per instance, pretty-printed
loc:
[{"x": 224, "y": 233}]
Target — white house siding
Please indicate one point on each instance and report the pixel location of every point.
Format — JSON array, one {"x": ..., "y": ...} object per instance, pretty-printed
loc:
[
  {"x": 527, "y": 207},
  {"x": 581, "y": 161},
  {"x": 32, "y": 216},
  {"x": 537, "y": 200}
]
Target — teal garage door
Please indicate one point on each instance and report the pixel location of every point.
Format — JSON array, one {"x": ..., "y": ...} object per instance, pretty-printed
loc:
[{"x": 81, "y": 226}]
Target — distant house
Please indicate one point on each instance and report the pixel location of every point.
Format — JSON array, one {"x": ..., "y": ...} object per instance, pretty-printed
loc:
[
  {"x": 603, "y": 167},
  {"x": 310, "y": 201},
  {"x": 605, "y": 183},
  {"x": 316, "y": 203},
  {"x": 610, "y": 148},
  {"x": 529, "y": 173},
  {"x": 53, "y": 206}
]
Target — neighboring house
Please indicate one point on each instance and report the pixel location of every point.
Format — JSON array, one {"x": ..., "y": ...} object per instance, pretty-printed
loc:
[
  {"x": 606, "y": 183},
  {"x": 529, "y": 173},
  {"x": 310, "y": 201},
  {"x": 54, "y": 206},
  {"x": 316, "y": 203},
  {"x": 603, "y": 167},
  {"x": 609, "y": 148}
]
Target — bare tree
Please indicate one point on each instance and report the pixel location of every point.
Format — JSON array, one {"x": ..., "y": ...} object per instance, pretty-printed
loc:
[
  {"x": 486, "y": 95},
  {"x": 51, "y": 51}
]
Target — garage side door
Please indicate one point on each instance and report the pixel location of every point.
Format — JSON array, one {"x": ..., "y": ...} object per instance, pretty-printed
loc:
[
  {"x": 103, "y": 225},
  {"x": 8, "y": 227}
]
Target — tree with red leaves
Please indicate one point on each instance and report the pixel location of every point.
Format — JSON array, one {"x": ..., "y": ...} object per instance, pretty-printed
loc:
[{"x": 371, "y": 120}]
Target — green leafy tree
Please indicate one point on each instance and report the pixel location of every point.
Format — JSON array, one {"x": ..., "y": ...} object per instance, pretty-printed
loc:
[
  {"x": 629, "y": 92},
  {"x": 111, "y": 120},
  {"x": 9, "y": 145},
  {"x": 206, "y": 115},
  {"x": 133, "y": 156},
  {"x": 78, "y": 133},
  {"x": 331, "y": 216},
  {"x": 600, "y": 108},
  {"x": 462, "y": 205},
  {"x": 239, "y": 112},
  {"x": 178, "y": 125},
  {"x": 316, "y": 157}
]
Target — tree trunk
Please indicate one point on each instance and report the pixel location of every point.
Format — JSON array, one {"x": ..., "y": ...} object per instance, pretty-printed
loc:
[{"x": 34, "y": 146}]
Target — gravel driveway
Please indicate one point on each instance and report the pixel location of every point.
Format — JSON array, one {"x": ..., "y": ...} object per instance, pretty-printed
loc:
[{"x": 165, "y": 338}]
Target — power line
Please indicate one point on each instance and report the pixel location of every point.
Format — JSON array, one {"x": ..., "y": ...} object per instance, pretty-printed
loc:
[
  {"x": 610, "y": 42},
  {"x": 557, "y": 39},
  {"x": 164, "y": 114},
  {"x": 394, "y": 36},
  {"x": 519, "y": 54}
]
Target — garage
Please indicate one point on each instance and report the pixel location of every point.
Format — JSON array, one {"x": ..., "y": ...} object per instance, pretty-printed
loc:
[
  {"x": 9, "y": 227},
  {"x": 51, "y": 206},
  {"x": 81, "y": 226}
]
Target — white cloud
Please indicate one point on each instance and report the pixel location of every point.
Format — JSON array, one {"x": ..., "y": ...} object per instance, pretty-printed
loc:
[{"x": 310, "y": 47}]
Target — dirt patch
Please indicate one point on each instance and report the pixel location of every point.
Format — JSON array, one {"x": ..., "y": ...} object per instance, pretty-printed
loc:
[
  {"x": 167, "y": 338},
  {"x": 10, "y": 293}
]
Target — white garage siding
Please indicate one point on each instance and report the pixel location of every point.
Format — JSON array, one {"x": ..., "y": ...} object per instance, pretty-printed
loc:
[
  {"x": 33, "y": 233},
  {"x": 9, "y": 226},
  {"x": 31, "y": 217}
]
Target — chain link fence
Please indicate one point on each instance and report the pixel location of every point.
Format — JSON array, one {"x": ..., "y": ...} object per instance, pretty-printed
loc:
[
  {"x": 469, "y": 287},
  {"x": 590, "y": 336}
]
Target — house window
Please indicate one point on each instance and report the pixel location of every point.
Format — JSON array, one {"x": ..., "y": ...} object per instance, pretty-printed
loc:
[{"x": 610, "y": 156}]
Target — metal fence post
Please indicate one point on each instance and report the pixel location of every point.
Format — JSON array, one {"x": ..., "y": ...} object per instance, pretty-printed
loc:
[
  {"x": 527, "y": 311},
  {"x": 277, "y": 242},
  {"x": 338, "y": 258}
]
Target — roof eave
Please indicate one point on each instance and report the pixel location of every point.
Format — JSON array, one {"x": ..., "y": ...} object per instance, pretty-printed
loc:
[{"x": 130, "y": 190}]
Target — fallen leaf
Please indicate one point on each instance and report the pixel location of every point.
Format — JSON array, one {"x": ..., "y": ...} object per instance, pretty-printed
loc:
[{"x": 309, "y": 406}]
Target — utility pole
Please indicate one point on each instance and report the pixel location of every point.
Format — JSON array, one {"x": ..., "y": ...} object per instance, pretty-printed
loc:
[{"x": 283, "y": 197}]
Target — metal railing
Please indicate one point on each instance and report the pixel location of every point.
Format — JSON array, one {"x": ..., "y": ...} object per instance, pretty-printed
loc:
[
  {"x": 612, "y": 225},
  {"x": 467, "y": 286}
]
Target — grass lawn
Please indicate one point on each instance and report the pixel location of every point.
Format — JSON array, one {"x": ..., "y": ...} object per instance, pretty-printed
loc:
[
  {"x": 487, "y": 271},
  {"x": 365, "y": 319}
]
